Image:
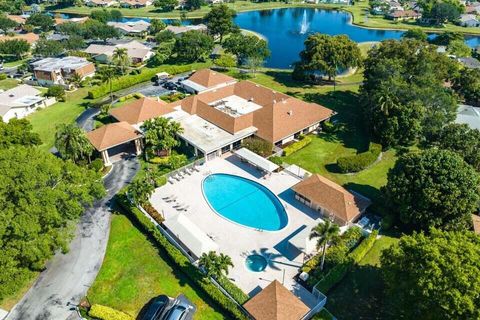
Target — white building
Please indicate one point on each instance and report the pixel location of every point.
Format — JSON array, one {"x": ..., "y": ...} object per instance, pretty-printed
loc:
[{"x": 20, "y": 102}]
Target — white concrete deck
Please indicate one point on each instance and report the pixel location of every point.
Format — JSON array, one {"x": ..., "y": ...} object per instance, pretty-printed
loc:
[{"x": 238, "y": 241}]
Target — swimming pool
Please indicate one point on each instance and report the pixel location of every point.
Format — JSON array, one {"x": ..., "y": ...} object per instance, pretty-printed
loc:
[{"x": 244, "y": 201}]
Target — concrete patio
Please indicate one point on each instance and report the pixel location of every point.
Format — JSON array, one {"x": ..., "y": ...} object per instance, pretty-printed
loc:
[{"x": 238, "y": 241}]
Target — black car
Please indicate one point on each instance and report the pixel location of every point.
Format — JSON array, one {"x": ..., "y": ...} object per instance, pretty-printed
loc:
[
  {"x": 177, "y": 312},
  {"x": 157, "y": 308},
  {"x": 170, "y": 86}
]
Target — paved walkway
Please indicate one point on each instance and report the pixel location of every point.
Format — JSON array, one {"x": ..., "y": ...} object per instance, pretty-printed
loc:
[{"x": 68, "y": 276}]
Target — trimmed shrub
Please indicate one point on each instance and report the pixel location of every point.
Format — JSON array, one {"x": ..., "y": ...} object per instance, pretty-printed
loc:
[
  {"x": 337, "y": 273},
  {"x": 236, "y": 293},
  {"x": 106, "y": 313},
  {"x": 130, "y": 80},
  {"x": 277, "y": 160},
  {"x": 180, "y": 260},
  {"x": 3, "y": 76},
  {"x": 259, "y": 146},
  {"x": 359, "y": 161},
  {"x": 294, "y": 147},
  {"x": 96, "y": 165}
]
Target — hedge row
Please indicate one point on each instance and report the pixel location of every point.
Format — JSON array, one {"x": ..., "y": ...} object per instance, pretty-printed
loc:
[
  {"x": 294, "y": 147},
  {"x": 106, "y": 313},
  {"x": 147, "y": 74},
  {"x": 234, "y": 291},
  {"x": 180, "y": 260},
  {"x": 359, "y": 161},
  {"x": 337, "y": 273}
]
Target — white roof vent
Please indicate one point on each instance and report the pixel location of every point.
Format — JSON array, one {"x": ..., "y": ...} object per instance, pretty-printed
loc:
[{"x": 290, "y": 113}]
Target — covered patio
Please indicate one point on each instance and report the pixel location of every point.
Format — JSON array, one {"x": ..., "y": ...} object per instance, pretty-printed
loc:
[{"x": 256, "y": 160}]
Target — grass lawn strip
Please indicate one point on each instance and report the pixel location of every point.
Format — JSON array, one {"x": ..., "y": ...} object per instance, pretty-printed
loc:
[{"x": 135, "y": 271}]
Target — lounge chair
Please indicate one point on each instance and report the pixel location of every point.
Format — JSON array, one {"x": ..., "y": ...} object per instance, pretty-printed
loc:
[
  {"x": 195, "y": 168},
  {"x": 171, "y": 199},
  {"x": 170, "y": 180}
]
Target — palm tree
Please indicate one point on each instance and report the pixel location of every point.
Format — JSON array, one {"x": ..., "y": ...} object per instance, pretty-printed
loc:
[
  {"x": 75, "y": 79},
  {"x": 107, "y": 74},
  {"x": 325, "y": 233},
  {"x": 140, "y": 190},
  {"x": 121, "y": 59},
  {"x": 215, "y": 265},
  {"x": 72, "y": 143},
  {"x": 161, "y": 133}
]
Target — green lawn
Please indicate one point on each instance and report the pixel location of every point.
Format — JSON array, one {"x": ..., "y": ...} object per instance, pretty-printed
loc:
[
  {"x": 8, "y": 84},
  {"x": 362, "y": 288},
  {"x": 135, "y": 271},
  {"x": 359, "y": 11}
]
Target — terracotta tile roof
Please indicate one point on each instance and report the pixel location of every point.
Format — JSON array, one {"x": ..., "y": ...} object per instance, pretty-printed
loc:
[
  {"x": 476, "y": 223},
  {"x": 16, "y": 18},
  {"x": 135, "y": 2},
  {"x": 275, "y": 302},
  {"x": 141, "y": 110},
  {"x": 29, "y": 37},
  {"x": 337, "y": 200},
  {"x": 112, "y": 135},
  {"x": 208, "y": 78},
  {"x": 280, "y": 115}
]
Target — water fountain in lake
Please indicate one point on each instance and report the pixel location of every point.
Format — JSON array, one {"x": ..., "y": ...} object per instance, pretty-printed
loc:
[{"x": 304, "y": 25}]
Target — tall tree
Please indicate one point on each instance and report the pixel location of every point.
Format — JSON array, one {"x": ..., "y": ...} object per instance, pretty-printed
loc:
[
  {"x": 459, "y": 48},
  {"x": 435, "y": 276},
  {"x": 165, "y": 5},
  {"x": 245, "y": 47},
  {"x": 215, "y": 265},
  {"x": 443, "y": 12},
  {"x": 325, "y": 233},
  {"x": 194, "y": 46},
  {"x": 416, "y": 33},
  {"x": 403, "y": 96},
  {"x": 467, "y": 85},
  {"x": 121, "y": 59},
  {"x": 18, "y": 132},
  {"x": 433, "y": 188},
  {"x": 219, "y": 21},
  {"x": 97, "y": 30},
  {"x": 48, "y": 48},
  {"x": 156, "y": 25},
  {"x": 6, "y": 24},
  {"x": 328, "y": 55},
  {"x": 16, "y": 47},
  {"x": 41, "y": 197},
  {"x": 140, "y": 191},
  {"x": 41, "y": 20},
  {"x": 72, "y": 143},
  {"x": 194, "y": 4},
  {"x": 108, "y": 74},
  {"x": 161, "y": 133}
]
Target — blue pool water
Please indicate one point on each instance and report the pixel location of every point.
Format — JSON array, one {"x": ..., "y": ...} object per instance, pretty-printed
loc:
[
  {"x": 256, "y": 263},
  {"x": 245, "y": 202}
]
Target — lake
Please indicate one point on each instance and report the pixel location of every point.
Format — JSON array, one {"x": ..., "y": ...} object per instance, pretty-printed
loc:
[{"x": 287, "y": 29}]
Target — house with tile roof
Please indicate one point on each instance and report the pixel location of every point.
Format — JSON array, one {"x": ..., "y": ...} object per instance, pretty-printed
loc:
[
  {"x": 30, "y": 37},
  {"x": 217, "y": 120},
  {"x": 52, "y": 71},
  {"x": 206, "y": 79},
  {"x": 135, "y": 3},
  {"x": 275, "y": 302},
  {"x": 101, "y": 3},
  {"x": 178, "y": 30},
  {"x": 137, "y": 51},
  {"x": 330, "y": 199},
  {"x": 131, "y": 28},
  {"x": 20, "y": 101}
]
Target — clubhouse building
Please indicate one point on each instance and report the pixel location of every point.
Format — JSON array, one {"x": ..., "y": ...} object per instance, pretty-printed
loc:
[{"x": 218, "y": 118}]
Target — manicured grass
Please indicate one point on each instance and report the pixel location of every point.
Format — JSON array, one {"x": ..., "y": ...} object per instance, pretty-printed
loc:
[
  {"x": 8, "y": 83},
  {"x": 135, "y": 271},
  {"x": 359, "y": 11},
  {"x": 363, "y": 288}
]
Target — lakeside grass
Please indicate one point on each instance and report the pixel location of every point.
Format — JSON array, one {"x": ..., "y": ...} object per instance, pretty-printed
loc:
[
  {"x": 364, "y": 286},
  {"x": 8, "y": 83},
  {"x": 359, "y": 12},
  {"x": 135, "y": 271}
]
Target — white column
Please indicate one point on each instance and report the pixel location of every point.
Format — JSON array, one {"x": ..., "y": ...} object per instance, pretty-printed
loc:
[
  {"x": 106, "y": 158},
  {"x": 138, "y": 147}
]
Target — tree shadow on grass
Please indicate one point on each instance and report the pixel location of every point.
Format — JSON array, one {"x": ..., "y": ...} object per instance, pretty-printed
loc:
[
  {"x": 180, "y": 276},
  {"x": 363, "y": 289},
  {"x": 368, "y": 191}
]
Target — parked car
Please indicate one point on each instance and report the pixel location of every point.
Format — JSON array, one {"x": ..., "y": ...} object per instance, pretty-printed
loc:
[
  {"x": 180, "y": 311},
  {"x": 157, "y": 308},
  {"x": 170, "y": 86}
]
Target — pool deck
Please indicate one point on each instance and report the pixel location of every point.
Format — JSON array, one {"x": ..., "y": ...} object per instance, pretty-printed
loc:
[{"x": 238, "y": 241}]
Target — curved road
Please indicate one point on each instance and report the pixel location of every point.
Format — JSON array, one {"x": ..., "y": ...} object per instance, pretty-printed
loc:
[{"x": 68, "y": 276}]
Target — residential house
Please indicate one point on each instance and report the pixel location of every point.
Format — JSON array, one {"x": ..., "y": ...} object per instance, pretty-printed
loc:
[
  {"x": 469, "y": 20},
  {"x": 131, "y": 28},
  {"x": 101, "y": 3},
  {"x": 330, "y": 199},
  {"x": 178, "y": 30},
  {"x": 395, "y": 6},
  {"x": 216, "y": 121},
  {"x": 275, "y": 302},
  {"x": 476, "y": 223},
  {"x": 135, "y": 3},
  {"x": 51, "y": 71},
  {"x": 59, "y": 21},
  {"x": 30, "y": 37},
  {"x": 468, "y": 115},
  {"x": 20, "y": 101},
  {"x": 138, "y": 52},
  {"x": 205, "y": 80},
  {"x": 18, "y": 19},
  {"x": 401, "y": 15},
  {"x": 469, "y": 62}
]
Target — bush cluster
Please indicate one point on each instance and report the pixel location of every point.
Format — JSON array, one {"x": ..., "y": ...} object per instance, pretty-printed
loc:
[
  {"x": 130, "y": 80},
  {"x": 277, "y": 160},
  {"x": 359, "y": 161},
  {"x": 294, "y": 147},
  {"x": 106, "y": 313},
  {"x": 337, "y": 273},
  {"x": 234, "y": 291},
  {"x": 259, "y": 146},
  {"x": 180, "y": 260}
]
